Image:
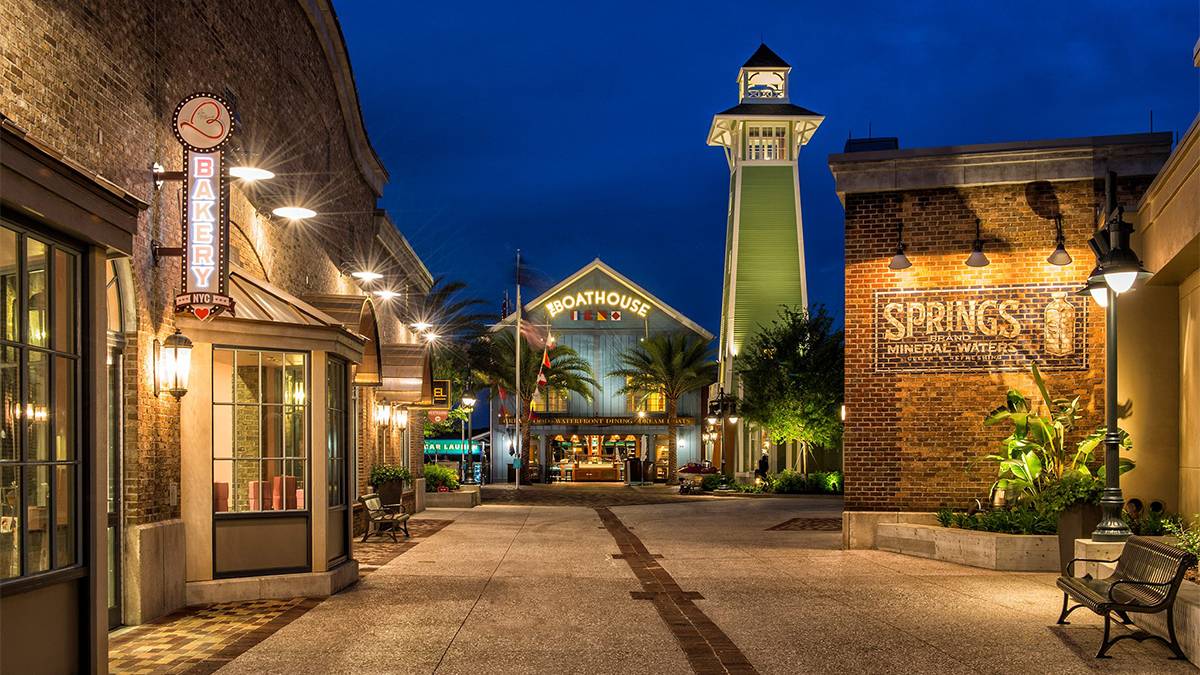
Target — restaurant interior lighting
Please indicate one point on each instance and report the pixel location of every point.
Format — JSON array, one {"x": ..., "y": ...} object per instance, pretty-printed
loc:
[
  {"x": 366, "y": 275},
  {"x": 172, "y": 365},
  {"x": 899, "y": 261},
  {"x": 977, "y": 258},
  {"x": 293, "y": 212},
  {"x": 1060, "y": 256},
  {"x": 250, "y": 173}
]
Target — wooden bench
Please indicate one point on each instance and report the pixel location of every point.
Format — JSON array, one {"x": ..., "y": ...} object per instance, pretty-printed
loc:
[
  {"x": 1146, "y": 580},
  {"x": 380, "y": 514}
]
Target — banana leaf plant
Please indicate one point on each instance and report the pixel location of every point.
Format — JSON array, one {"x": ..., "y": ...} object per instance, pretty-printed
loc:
[{"x": 1036, "y": 453}]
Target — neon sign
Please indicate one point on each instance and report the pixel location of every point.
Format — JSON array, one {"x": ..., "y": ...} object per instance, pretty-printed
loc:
[
  {"x": 202, "y": 124},
  {"x": 615, "y": 299}
]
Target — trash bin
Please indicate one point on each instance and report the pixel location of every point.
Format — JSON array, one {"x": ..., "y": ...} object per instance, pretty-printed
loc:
[{"x": 633, "y": 472}]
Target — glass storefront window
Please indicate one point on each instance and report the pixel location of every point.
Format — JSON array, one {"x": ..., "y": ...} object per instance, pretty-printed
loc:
[
  {"x": 550, "y": 401},
  {"x": 39, "y": 370},
  {"x": 336, "y": 421},
  {"x": 260, "y": 431}
]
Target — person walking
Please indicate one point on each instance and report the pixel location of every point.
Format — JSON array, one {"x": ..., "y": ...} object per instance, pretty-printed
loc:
[{"x": 763, "y": 465}]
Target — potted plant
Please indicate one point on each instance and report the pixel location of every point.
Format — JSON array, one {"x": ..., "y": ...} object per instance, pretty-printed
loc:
[
  {"x": 440, "y": 479},
  {"x": 389, "y": 481},
  {"x": 1039, "y": 467}
]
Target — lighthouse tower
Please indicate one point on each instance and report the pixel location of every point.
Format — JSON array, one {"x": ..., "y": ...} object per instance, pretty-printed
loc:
[{"x": 764, "y": 243}]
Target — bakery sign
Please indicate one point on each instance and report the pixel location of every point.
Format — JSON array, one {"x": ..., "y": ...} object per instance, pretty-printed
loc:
[
  {"x": 202, "y": 124},
  {"x": 993, "y": 328}
]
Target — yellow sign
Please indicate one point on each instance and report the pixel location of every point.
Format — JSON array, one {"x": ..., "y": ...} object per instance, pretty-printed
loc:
[
  {"x": 599, "y": 298},
  {"x": 441, "y": 393}
]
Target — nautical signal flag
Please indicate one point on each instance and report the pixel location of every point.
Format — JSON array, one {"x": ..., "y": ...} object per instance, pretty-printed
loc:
[
  {"x": 545, "y": 358},
  {"x": 595, "y": 315}
]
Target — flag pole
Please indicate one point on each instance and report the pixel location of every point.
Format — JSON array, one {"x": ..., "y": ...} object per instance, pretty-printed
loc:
[{"x": 517, "y": 376}]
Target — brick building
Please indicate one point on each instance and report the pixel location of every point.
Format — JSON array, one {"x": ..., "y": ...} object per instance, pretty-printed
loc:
[
  {"x": 118, "y": 497},
  {"x": 932, "y": 348}
]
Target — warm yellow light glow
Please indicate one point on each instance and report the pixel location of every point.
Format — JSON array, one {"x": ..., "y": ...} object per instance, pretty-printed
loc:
[
  {"x": 733, "y": 419},
  {"x": 843, "y": 412},
  {"x": 386, "y": 295},
  {"x": 641, "y": 414},
  {"x": 712, "y": 420},
  {"x": 250, "y": 173},
  {"x": 431, "y": 337},
  {"x": 293, "y": 212},
  {"x": 421, "y": 326},
  {"x": 366, "y": 275}
]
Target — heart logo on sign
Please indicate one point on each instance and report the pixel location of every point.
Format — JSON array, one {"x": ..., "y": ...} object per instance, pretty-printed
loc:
[
  {"x": 202, "y": 313},
  {"x": 208, "y": 115}
]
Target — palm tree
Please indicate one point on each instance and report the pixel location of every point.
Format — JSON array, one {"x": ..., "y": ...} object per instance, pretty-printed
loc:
[
  {"x": 567, "y": 372},
  {"x": 670, "y": 364},
  {"x": 454, "y": 322}
]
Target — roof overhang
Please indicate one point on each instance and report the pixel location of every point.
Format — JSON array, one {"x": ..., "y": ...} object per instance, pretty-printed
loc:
[
  {"x": 724, "y": 130},
  {"x": 356, "y": 313},
  {"x": 407, "y": 374}
]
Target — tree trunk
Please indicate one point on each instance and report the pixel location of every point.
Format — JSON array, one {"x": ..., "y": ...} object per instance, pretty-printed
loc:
[{"x": 672, "y": 453}]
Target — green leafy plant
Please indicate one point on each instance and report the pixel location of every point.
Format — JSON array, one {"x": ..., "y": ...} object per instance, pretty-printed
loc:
[
  {"x": 437, "y": 476},
  {"x": 1151, "y": 523},
  {"x": 1187, "y": 535},
  {"x": 1036, "y": 453},
  {"x": 945, "y": 517},
  {"x": 383, "y": 473},
  {"x": 1021, "y": 519},
  {"x": 710, "y": 482},
  {"x": 1071, "y": 490}
]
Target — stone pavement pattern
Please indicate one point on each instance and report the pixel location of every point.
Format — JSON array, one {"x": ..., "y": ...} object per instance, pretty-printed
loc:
[{"x": 521, "y": 588}]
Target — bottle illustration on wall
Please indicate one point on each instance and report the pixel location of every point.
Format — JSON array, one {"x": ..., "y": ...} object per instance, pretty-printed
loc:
[{"x": 1058, "y": 323}]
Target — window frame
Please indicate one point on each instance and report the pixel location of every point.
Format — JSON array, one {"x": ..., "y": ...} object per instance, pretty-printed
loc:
[
  {"x": 344, "y": 424},
  {"x": 550, "y": 401},
  {"x": 75, "y": 354},
  {"x": 784, "y": 148},
  {"x": 307, "y": 426}
]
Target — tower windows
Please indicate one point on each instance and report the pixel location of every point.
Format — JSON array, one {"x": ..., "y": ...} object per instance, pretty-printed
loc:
[{"x": 766, "y": 142}]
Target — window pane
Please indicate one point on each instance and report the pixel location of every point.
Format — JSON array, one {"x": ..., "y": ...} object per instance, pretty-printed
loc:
[
  {"x": 10, "y": 392},
  {"x": 294, "y": 379},
  {"x": 248, "y": 486},
  {"x": 247, "y": 377},
  {"x": 37, "y": 407},
  {"x": 272, "y": 436},
  {"x": 8, "y": 285},
  {"x": 10, "y": 521},
  {"x": 37, "y": 299},
  {"x": 293, "y": 431},
  {"x": 64, "y": 515},
  {"x": 222, "y": 376},
  {"x": 37, "y": 500},
  {"x": 222, "y": 484},
  {"x": 64, "y": 408},
  {"x": 64, "y": 301},
  {"x": 113, "y": 295},
  {"x": 223, "y": 431},
  {"x": 272, "y": 377},
  {"x": 248, "y": 439}
]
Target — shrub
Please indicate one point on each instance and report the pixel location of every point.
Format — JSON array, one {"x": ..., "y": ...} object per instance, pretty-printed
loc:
[
  {"x": 1187, "y": 536},
  {"x": 710, "y": 482},
  {"x": 1071, "y": 490},
  {"x": 1022, "y": 519},
  {"x": 1150, "y": 524},
  {"x": 437, "y": 476},
  {"x": 945, "y": 517},
  {"x": 788, "y": 482},
  {"x": 383, "y": 473}
]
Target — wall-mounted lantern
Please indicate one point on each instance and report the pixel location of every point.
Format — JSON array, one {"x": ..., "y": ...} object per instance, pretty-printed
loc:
[
  {"x": 900, "y": 261},
  {"x": 977, "y": 258},
  {"x": 400, "y": 418},
  {"x": 172, "y": 365},
  {"x": 383, "y": 413},
  {"x": 1060, "y": 256}
]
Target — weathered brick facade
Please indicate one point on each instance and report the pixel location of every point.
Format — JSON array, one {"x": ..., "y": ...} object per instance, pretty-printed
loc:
[{"x": 914, "y": 440}]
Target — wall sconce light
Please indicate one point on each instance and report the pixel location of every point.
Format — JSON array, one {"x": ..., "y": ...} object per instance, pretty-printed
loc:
[
  {"x": 1060, "y": 256},
  {"x": 386, "y": 295},
  {"x": 977, "y": 258},
  {"x": 641, "y": 414},
  {"x": 293, "y": 212},
  {"x": 172, "y": 365},
  {"x": 366, "y": 275},
  {"x": 400, "y": 417},
  {"x": 900, "y": 261},
  {"x": 251, "y": 173},
  {"x": 431, "y": 337},
  {"x": 843, "y": 414},
  {"x": 421, "y": 326},
  {"x": 383, "y": 413}
]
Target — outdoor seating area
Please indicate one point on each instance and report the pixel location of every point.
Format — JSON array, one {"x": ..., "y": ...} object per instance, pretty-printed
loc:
[{"x": 383, "y": 518}]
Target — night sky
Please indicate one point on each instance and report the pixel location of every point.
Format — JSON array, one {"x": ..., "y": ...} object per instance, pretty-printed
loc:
[{"x": 575, "y": 130}]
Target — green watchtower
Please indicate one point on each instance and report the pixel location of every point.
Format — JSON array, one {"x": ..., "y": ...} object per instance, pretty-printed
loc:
[{"x": 764, "y": 242}]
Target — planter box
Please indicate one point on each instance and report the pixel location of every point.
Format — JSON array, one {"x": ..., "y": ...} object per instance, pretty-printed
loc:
[
  {"x": 858, "y": 527},
  {"x": 989, "y": 550},
  {"x": 465, "y": 497}
]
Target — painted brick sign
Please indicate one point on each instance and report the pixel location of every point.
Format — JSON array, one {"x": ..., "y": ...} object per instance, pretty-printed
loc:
[{"x": 993, "y": 328}]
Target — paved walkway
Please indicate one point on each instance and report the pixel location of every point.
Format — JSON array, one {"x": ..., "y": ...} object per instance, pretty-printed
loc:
[{"x": 699, "y": 586}]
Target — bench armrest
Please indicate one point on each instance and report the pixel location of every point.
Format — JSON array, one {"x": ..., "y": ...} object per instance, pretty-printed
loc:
[
  {"x": 1068, "y": 571},
  {"x": 1130, "y": 582},
  {"x": 392, "y": 508}
]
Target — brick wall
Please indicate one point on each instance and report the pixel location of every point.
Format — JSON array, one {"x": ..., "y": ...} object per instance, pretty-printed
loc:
[
  {"x": 913, "y": 440},
  {"x": 98, "y": 81}
]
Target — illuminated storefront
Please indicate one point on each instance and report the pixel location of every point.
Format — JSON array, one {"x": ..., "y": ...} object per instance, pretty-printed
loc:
[{"x": 599, "y": 313}]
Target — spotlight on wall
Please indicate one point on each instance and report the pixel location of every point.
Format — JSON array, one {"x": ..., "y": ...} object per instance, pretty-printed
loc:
[
  {"x": 293, "y": 212},
  {"x": 977, "y": 258},
  {"x": 386, "y": 295},
  {"x": 250, "y": 173},
  {"x": 1060, "y": 256},
  {"x": 900, "y": 261},
  {"x": 421, "y": 326},
  {"x": 172, "y": 365},
  {"x": 431, "y": 337},
  {"x": 366, "y": 275}
]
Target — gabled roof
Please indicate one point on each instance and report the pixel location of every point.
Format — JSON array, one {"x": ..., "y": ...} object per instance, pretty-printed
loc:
[
  {"x": 763, "y": 57},
  {"x": 769, "y": 110},
  {"x": 599, "y": 264}
]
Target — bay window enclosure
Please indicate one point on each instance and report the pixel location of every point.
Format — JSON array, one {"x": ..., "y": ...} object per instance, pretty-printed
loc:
[
  {"x": 766, "y": 142},
  {"x": 260, "y": 430},
  {"x": 39, "y": 371}
]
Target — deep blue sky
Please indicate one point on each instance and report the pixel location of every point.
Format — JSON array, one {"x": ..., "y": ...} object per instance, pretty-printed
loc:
[{"x": 575, "y": 130}]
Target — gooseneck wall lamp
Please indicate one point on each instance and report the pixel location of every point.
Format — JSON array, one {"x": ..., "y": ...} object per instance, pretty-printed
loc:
[
  {"x": 900, "y": 261},
  {"x": 977, "y": 258},
  {"x": 1060, "y": 256},
  {"x": 172, "y": 365}
]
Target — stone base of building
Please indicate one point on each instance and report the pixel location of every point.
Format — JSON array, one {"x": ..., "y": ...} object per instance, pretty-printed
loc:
[
  {"x": 466, "y": 497},
  {"x": 858, "y": 527},
  {"x": 273, "y": 586},
  {"x": 152, "y": 571},
  {"x": 989, "y": 550},
  {"x": 419, "y": 495}
]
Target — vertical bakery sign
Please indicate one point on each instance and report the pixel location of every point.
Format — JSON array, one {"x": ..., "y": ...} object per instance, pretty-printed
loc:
[{"x": 202, "y": 124}]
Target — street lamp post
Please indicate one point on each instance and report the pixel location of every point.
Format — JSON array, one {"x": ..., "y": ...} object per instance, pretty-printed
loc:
[
  {"x": 1120, "y": 269},
  {"x": 468, "y": 404},
  {"x": 724, "y": 405}
]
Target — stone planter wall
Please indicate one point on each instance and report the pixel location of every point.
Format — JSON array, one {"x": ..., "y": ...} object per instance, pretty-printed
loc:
[
  {"x": 989, "y": 550},
  {"x": 465, "y": 497}
]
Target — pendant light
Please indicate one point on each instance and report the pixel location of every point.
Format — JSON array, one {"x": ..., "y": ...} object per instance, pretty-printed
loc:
[
  {"x": 977, "y": 258},
  {"x": 900, "y": 261},
  {"x": 1060, "y": 256}
]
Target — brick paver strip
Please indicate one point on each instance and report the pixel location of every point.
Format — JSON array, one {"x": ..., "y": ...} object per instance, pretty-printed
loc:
[{"x": 707, "y": 648}]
